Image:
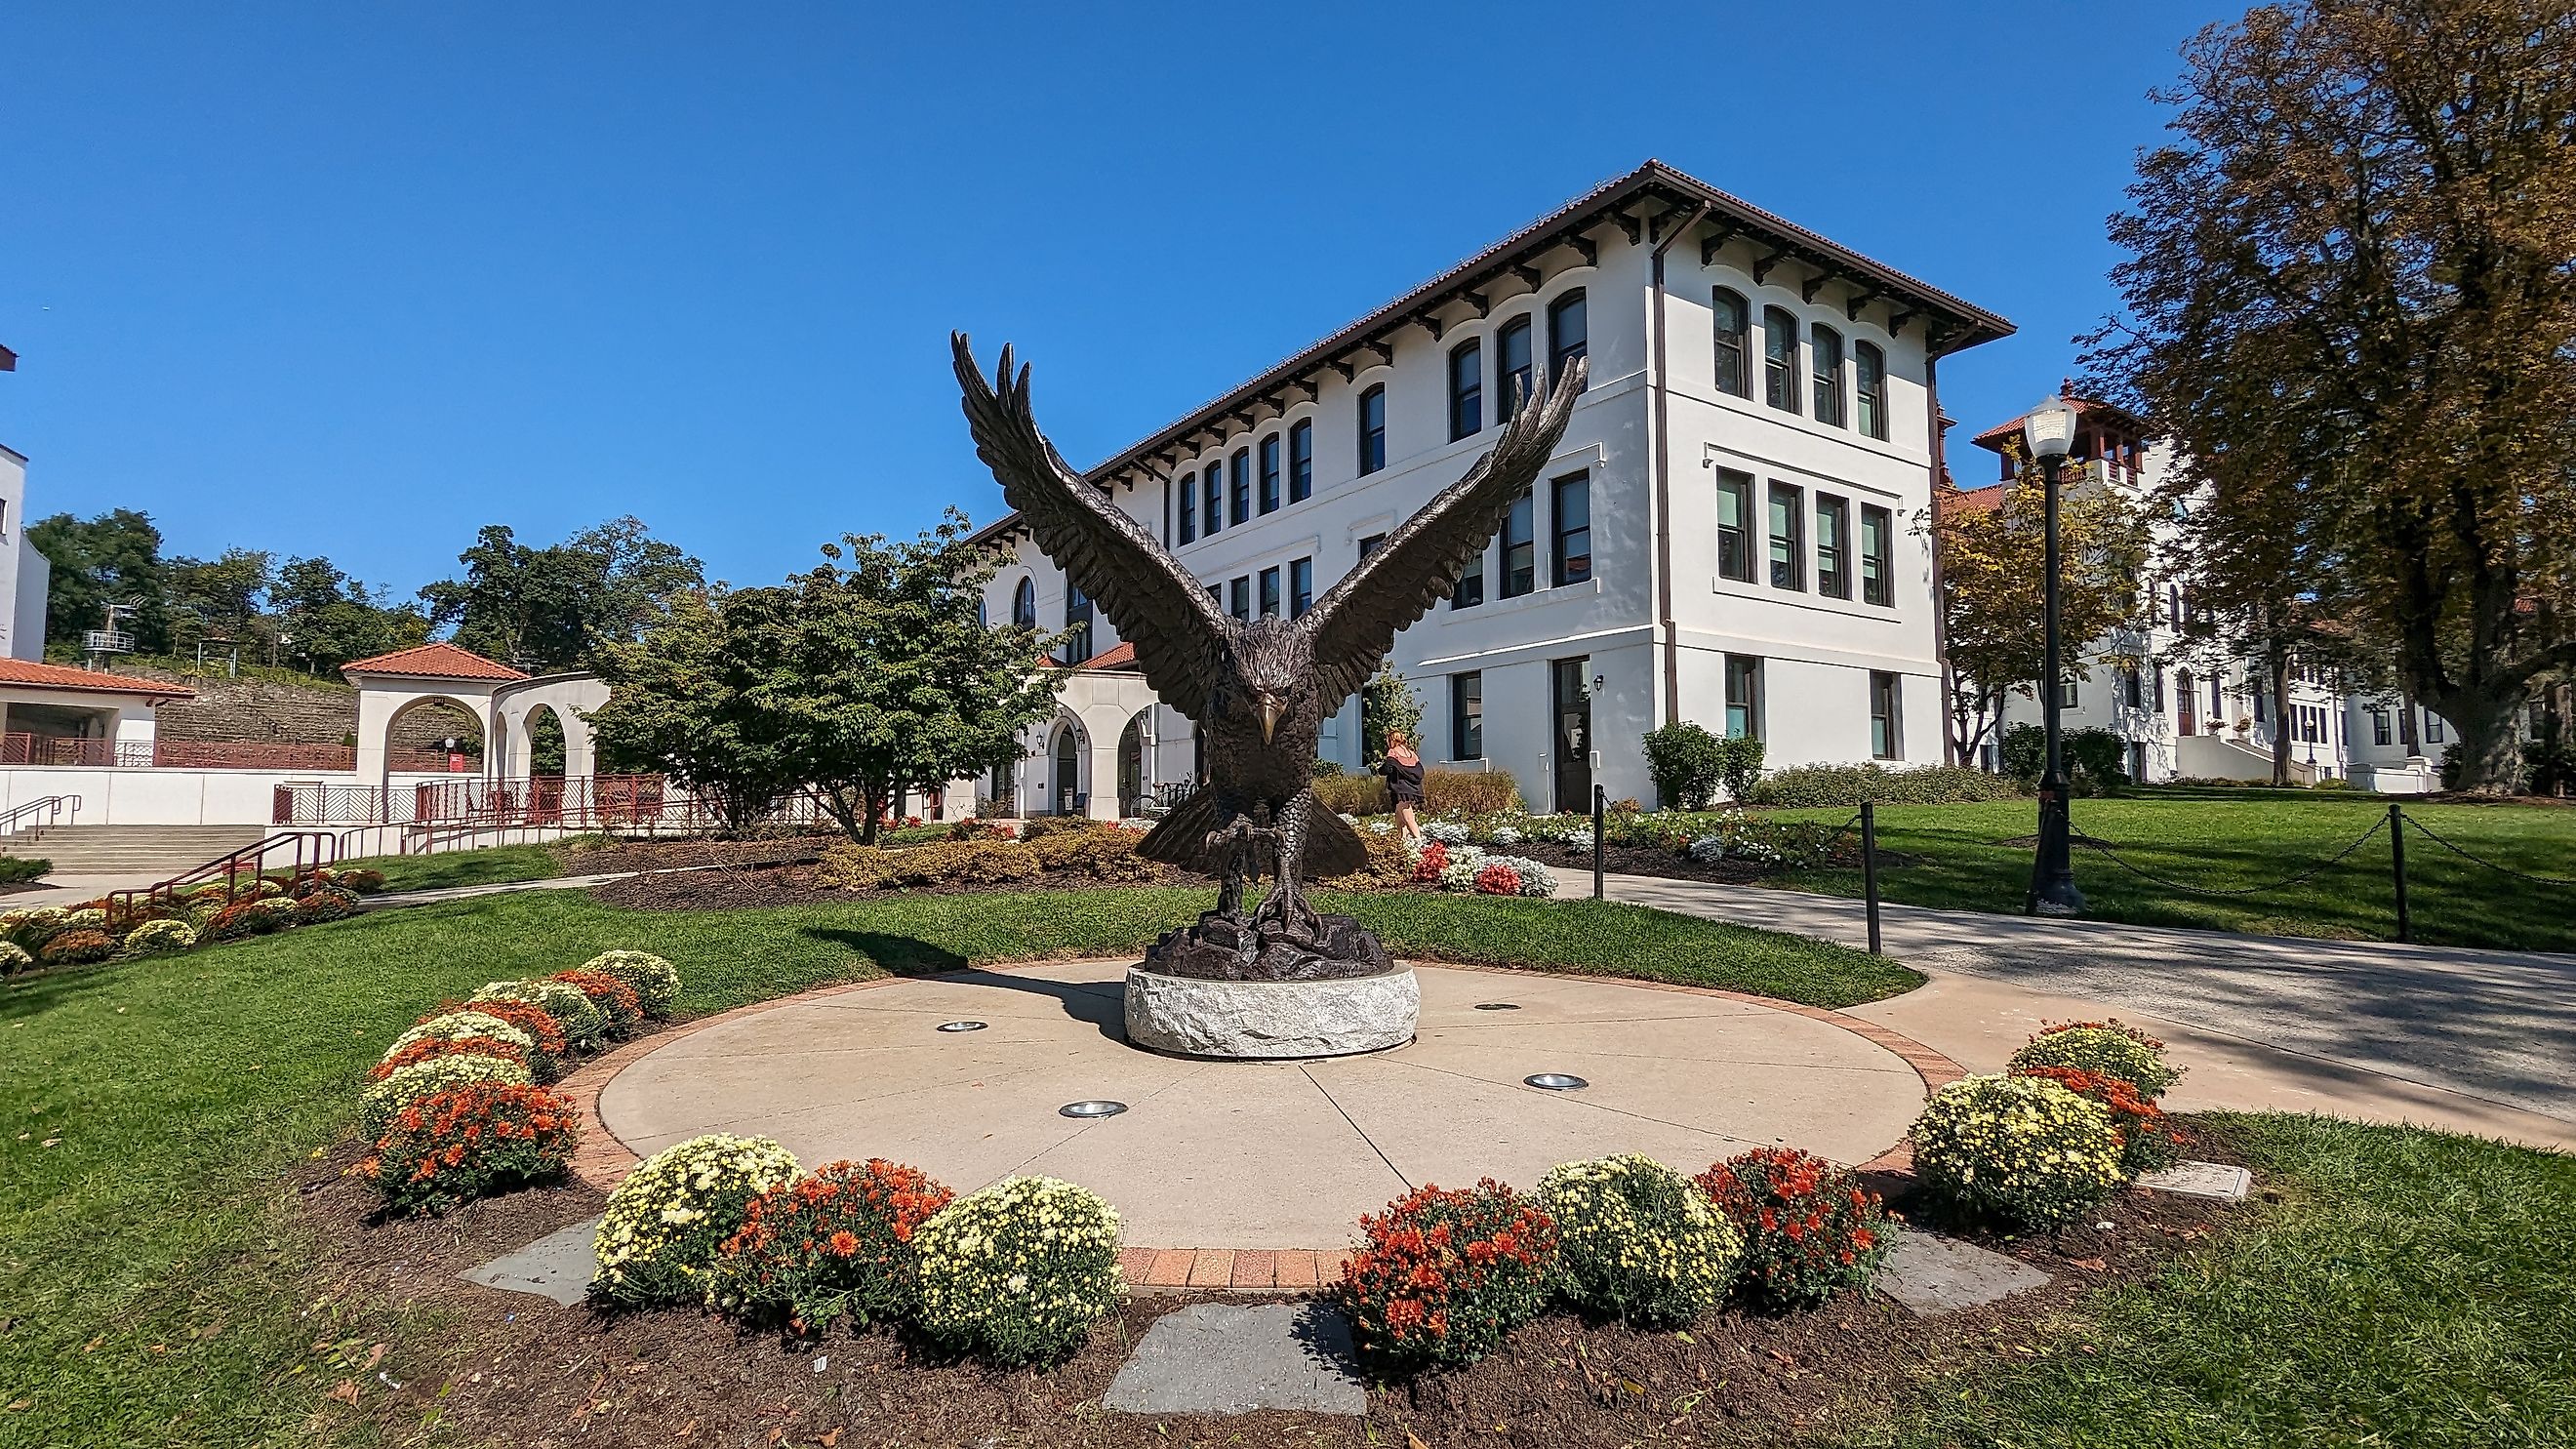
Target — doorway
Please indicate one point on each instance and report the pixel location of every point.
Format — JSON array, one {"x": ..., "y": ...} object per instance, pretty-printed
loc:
[
  {"x": 1068, "y": 776},
  {"x": 1573, "y": 714}
]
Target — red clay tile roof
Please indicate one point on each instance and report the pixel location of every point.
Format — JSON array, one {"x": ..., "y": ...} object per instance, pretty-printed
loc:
[
  {"x": 1969, "y": 500},
  {"x": 63, "y": 676},
  {"x": 1992, "y": 439},
  {"x": 434, "y": 661},
  {"x": 1116, "y": 656}
]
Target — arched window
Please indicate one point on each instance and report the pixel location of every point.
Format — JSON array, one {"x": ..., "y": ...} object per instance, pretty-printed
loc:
[
  {"x": 1301, "y": 461},
  {"x": 1826, "y": 353},
  {"x": 1466, "y": 389},
  {"x": 1024, "y": 605},
  {"x": 1511, "y": 366},
  {"x": 1870, "y": 372},
  {"x": 1780, "y": 360},
  {"x": 1373, "y": 428},
  {"x": 1733, "y": 317},
  {"x": 1568, "y": 333},
  {"x": 1077, "y": 626}
]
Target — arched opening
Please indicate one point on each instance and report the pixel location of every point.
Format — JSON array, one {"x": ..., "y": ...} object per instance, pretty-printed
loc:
[
  {"x": 545, "y": 742},
  {"x": 434, "y": 736},
  {"x": 1131, "y": 765},
  {"x": 1064, "y": 792}
]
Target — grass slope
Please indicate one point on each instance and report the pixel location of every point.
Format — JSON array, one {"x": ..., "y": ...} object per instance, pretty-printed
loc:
[
  {"x": 153, "y": 1288},
  {"x": 2232, "y": 839},
  {"x": 493, "y": 865}
]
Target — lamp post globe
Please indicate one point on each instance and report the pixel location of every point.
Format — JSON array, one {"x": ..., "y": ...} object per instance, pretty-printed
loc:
[{"x": 2049, "y": 429}]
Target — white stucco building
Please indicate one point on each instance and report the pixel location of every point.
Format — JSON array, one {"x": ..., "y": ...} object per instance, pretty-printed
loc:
[{"x": 1726, "y": 534}]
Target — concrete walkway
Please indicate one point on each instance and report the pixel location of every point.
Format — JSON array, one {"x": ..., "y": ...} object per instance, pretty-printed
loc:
[
  {"x": 2470, "y": 1039},
  {"x": 440, "y": 895}
]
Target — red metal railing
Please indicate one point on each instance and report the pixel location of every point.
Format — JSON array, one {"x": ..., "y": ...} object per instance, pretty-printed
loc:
[
  {"x": 33, "y": 749},
  {"x": 310, "y": 850}
]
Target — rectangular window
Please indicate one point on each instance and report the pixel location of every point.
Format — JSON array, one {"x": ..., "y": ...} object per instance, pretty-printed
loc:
[
  {"x": 1270, "y": 593},
  {"x": 1833, "y": 547},
  {"x": 1216, "y": 595},
  {"x": 1301, "y": 587},
  {"x": 1471, "y": 585},
  {"x": 1520, "y": 553},
  {"x": 1467, "y": 716},
  {"x": 1239, "y": 597},
  {"x": 2132, "y": 687},
  {"x": 1270, "y": 474},
  {"x": 1466, "y": 390},
  {"x": 1780, "y": 360},
  {"x": 1825, "y": 353},
  {"x": 1569, "y": 334},
  {"x": 1369, "y": 545},
  {"x": 1511, "y": 366},
  {"x": 1239, "y": 486},
  {"x": 1570, "y": 560},
  {"x": 1731, "y": 316},
  {"x": 1788, "y": 549},
  {"x": 2066, "y": 694},
  {"x": 1373, "y": 429},
  {"x": 1215, "y": 495},
  {"x": 1877, "y": 557},
  {"x": 1743, "y": 697},
  {"x": 1886, "y": 733},
  {"x": 1734, "y": 525},
  {"x": 1301, "y": 461},
  {"x": 1869, "y": 370},
  {"x": 2433, "y": 728},
  {"x": 2379, "y": 730},
  {"x": 1189, "y": 506}
]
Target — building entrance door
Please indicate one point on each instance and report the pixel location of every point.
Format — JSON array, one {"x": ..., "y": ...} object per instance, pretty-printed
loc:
[
  {"x": 1573, "y": 734},
  {"x": 1068, "y": 774}
]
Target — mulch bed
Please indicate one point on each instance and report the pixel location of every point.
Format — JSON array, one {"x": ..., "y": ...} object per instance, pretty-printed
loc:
[
  {"x": 627, "y": 855},
  {"x": 514, "y": 1369},
  {"x": 794, "y": 885}
]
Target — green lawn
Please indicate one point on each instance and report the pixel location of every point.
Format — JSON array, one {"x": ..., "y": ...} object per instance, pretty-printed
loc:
[
  {"x": 2414, "y": 1288},
  {"x": 493, "y": 865},
  {"x": 155, "y": 1289},
  {"x": 2230, "y": 839}
]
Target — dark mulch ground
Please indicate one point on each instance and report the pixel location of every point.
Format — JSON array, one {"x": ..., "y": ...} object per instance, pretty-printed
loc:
[
  {"x": 668, "y": 854},
  {"x": 512, "y": 1369},
  {"x": 794, "y": 885}
]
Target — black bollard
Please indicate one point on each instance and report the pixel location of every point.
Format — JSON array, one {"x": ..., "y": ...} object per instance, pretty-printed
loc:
[
  {"x": 2397, "y": 868},
  {"x": 1869, "y": 868},
  {"x": 1598, "y": 795}
]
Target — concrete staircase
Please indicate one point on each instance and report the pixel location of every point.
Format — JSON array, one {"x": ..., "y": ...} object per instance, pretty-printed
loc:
[{"x": 152, "y": 851}]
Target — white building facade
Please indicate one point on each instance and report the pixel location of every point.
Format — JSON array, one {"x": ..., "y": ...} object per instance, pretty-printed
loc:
[{"x": 1728, "y": 533}]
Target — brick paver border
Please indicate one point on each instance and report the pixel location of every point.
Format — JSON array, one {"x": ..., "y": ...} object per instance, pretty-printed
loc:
[{"x": 603, "y": 1161}]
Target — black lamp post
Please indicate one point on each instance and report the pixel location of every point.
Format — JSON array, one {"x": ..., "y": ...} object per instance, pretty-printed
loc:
[{"x": 2050, "y": 432}]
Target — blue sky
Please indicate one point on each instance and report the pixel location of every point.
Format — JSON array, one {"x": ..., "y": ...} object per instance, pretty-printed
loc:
[{"x": 357, "y": 279}]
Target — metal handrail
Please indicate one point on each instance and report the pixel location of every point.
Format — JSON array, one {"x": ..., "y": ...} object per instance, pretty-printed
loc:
[
  {"x": 314, "y": 849},
  {"x": 55, "y": 807}
]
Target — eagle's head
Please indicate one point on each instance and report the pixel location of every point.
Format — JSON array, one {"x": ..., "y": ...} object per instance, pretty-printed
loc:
[{"x": 1264, "y": 675}]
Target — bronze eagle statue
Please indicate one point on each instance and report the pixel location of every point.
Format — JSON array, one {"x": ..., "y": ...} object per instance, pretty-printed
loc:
[{"x": 1259, "y": 691}]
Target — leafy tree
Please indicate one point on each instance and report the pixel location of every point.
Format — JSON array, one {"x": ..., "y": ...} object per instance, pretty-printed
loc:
[
  {"x": 552, "y": 608},
  {"x": 1687, "y": 764},
  {"x": 2349, "y": 305},
  {"x": 112, "y": 558},
  {"x": 677, "y": 706},
  {"x": 333, "y": 618},
  {"x": 1993, "y": 572},
  {"x": 1388, "y": 704},
  {"x": 218, "y": 598},
  {"x": 1739, "y": 765}
]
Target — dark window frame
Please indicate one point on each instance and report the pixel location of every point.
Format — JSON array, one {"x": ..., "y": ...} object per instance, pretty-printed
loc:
[
  {"x": 1079, "y": 616},
  {"x": 1466, "y": 724},
  {"x": 1731, "y": 344},
  {"x": 1024, "y": 603},
  {"x": 1562, "y": 557},
  {"x": 1878, "y": 561},
  {"x": 1746, "y": 670},
  {"x": 1786, "y": 553},
  {"x": 1520, "y": 554},
  {"x": 1833, "y": 559},
  {"x": 1828, "y": 361},
  {"x": 1238, "y": 487},
  {"x": 1562, "y": 349},
  {"x": 1238, "y": 597},
  {"x": 1467, "y": 389},
  {"x": 1189, "y": 507},
  {"x": 1781, "y": 385},
  {"x": 1301, "y": 586},
  {"x": 1270, "y": 599},
  {"x": 1372, "y": 442},
  {"x": 1886, "y": 715},
  {"x": 1510, "y": 381},
  {"x": 1270, "y": 480},
  {"x": 1301, "y": 460},
  {"x": 1740, "y": 484},
  {"x": 1214, "y": 491},
  {"x": 1869, "y": 389}
]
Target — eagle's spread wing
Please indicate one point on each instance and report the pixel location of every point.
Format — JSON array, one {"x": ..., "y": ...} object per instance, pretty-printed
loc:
[
  {"x": 1152, "y": 601},
  {"x": 1355, "y": 623}
]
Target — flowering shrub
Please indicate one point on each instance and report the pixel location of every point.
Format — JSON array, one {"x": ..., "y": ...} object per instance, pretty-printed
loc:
[
  {"x": 439, "y": 1046},
  {"x": 1460, "y": 873},
  {"x": 452, "y": 1146},
  {"x": 614, "y": 999},
  {"x": 837, "y": 1242},
  {"x": 326, "y": 903},
  {"x": 1578, "y": 841},
  {"x": 546, "y": 1045},
  {"x": 77, "y": 946},
  {"x": 1431, "y": 861},
  {"x": 14, "y": 958},
  {"x": 578, "y": 1021},
  {"x": 656, "y": 981},
  {"x": 86, "y": 918},
  {"x": 1535, "y": 879},
  {"x": 667, "y": 1220},
  {"x": 1809, "y": 1230},
  {"x": 1443, "y": 1274},
  {"x": 1638, "y": 1241},
  {"x": 2147, "y": 1142},
  {"x": 154, "y": 937},
  {"x": 1446, "y": 832},
  {"x": 2020, "y": 1148},
  {"x": 1505, "y": 835},
  {"x": 2106, "y": 1048},
  {"x": 243, "y": 918},
  {"x": 403, "y": 1086},
  {"x": 460, "y": 1023},
  {"x": 1018, "y": 1272},
  {"x": 29, "y": 927},
  {"x": 1498, "y": 879},
  {"x": 366, "y": 880}
]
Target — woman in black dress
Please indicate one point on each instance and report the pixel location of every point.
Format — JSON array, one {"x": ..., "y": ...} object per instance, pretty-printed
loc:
[{"x": 1403, "y": 771}]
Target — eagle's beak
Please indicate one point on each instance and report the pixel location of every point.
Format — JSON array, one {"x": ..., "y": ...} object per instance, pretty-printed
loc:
[{"x": 1272, "y": 707}]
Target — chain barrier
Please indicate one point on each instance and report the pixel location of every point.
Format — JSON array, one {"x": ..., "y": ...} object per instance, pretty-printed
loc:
[
  {"x": 2427, "y": 832},
  {"x": 2310, "y": 873}
]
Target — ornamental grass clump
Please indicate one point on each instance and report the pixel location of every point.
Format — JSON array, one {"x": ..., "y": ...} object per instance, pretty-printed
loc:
[
  {"x": 2107, "y": 1048},
  {"x": 620, "y": 1013},
  {"x": 1638, "y": 1241},
  {"x": 1443, "y": 1275},
  {"x": 2148, "y": 1142},
  {"x": 1017, "y": 1273},
  {"x": 405, "y": 1085},
  {"x": 667, "y": 1221},
  {"x": 2022, "y": 1149},
  {"x": 1809, "y": 1230},
  {"x": 583, "y": 1026},
  {"x": 656, "y": 981},
  {"x": 450, "y": 1147},
  {"x": 832, "y": 1245}
]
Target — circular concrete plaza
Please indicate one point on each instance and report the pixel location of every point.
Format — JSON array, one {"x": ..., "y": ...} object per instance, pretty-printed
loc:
[{"x": 1255, "y": 1155}]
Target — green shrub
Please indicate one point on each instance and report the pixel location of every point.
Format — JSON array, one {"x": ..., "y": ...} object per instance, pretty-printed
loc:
[
  {"x": 655, "y": 981},
  {"x": 2106, "y": 1048},
  {"x": 850, "y": 866},
  {"x": 1105, "y": 851},
  {"x": 14, "y": 958},
  {"x": 450, "y": 1147},
  {"x": 668, "y": 1220},
  {"x": 2022, "y": 1149},
  {"x": 1739, "y": 765},
  {"x": 1353, "y": 794},
  {"x": 1469, "y": 792},
  {"x": 1685, "y": 762},
  {"x": 1387, "y": 702},
  {"x": 1796, "y": 786},
  {"x": 2096, "y": 759},
  {"x": 1809, "y": 1230},
  {"x": 1040, "y": 827},
  {"x": 154, "y": 938},
  {"x": 17, "y": 868},
  {"x": 1638, "y": 1241},
  {"x": 30, "y": 927},
  {"x": 1017, "y": 1273}
]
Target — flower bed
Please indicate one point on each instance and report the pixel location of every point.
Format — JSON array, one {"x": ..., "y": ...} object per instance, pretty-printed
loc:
[
  {"x": 667, "y": 1220},
  {"x": 831, "y": 1245},
  {"x": 451, "y": 1146},
  {"x": 1442, "y": 1276},
  {"x": 2021, "y": 1149},
  {"x": 188, "y": 919},
  {"x": 1018, "y": 1273}
]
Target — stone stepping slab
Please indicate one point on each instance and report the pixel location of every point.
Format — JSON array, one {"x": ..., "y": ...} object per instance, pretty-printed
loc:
[
  {"x": 1220, "y": 1358},
  {"x": 1935, "y": 1275},
  {"x": 2212, "y": 1180},
  {"x": 557, "y": 1266}
]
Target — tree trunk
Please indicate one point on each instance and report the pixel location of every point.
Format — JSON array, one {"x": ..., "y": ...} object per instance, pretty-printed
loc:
[
  {"x": 2490, "y": 748},
  {"x": 2276, "y": 668}
]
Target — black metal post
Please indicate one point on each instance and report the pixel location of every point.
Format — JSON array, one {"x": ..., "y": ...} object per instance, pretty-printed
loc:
[
  {"x": 1598, "y": 795},
  {"x": 2052, "y": 879},
  {"x": 2397, "y": 868},
  {"x": 1869, "y": 868}
]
